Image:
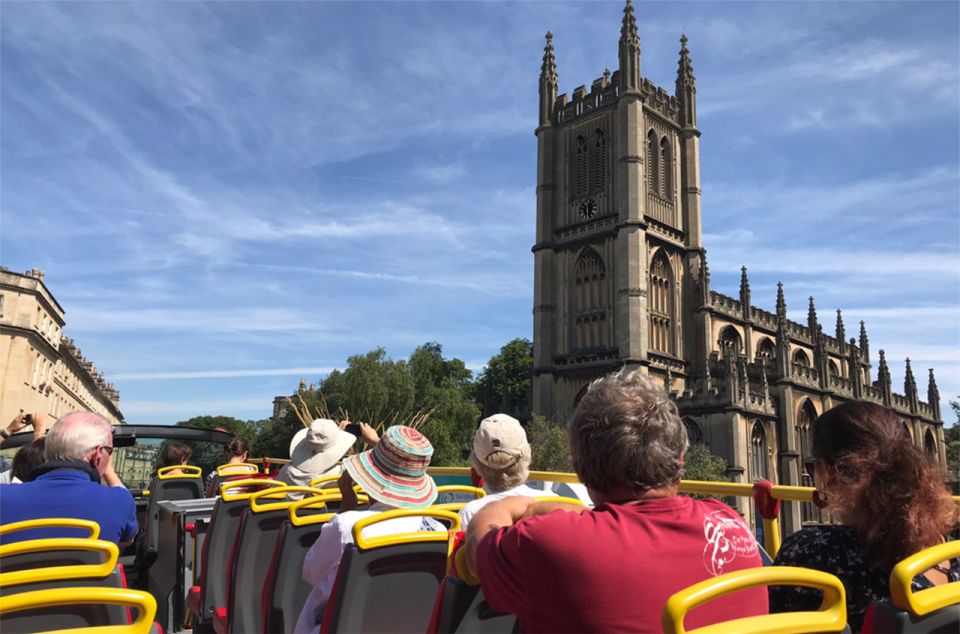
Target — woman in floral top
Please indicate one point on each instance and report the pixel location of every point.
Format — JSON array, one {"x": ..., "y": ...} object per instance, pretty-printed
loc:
[{"x": 891, "y": 500}]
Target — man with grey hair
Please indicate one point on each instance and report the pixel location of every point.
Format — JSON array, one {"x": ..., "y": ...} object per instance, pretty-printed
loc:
[
  {"x": 612, "y": 568},
  {"x": 79, "y": 450},
  {"x": 501, "y": 458}
]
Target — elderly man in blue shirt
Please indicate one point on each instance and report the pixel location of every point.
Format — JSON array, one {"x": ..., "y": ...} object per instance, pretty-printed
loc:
[{"x": 79, "y": 449}]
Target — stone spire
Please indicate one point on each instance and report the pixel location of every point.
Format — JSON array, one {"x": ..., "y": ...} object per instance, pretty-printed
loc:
[
  {"x": 854, "y": 367},
  {"x": 909, "y": 383},
  {"x": 548, "y": 82},
  {"x": 841, "y": 331},
  {"x": 704, "y": 279},
  {"x": 744, "y": 292},
  {"x": 629, "y": 51},
  {"x": 812, "y": 317},
  {"x": 781, "y": 302},
  {"x": 933, "y": 395},
  {"x": 686, "y": 92},
  {"x": 883, "y": 379},
  {"x": 864, "y": 342}
]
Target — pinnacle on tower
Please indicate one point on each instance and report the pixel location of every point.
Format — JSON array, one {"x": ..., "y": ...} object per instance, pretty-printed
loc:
[
  {"x": 685, "y": 66},
  {"x": 812, "y": 315},
  {"x": 841, "y": 331},
  {"x": 781, "y": 302},
  {"x": 909, "y": 383},
  {"x": 883, "y": 372},
  {"x": 864, "y": 342},
  {"x": 686, "y": 91},
  {"x": 933, "y": 393},
  {"x": 744, "y": 286},
  {"x": 548, "y": 82},
  {"x": 629, "y": 50}
]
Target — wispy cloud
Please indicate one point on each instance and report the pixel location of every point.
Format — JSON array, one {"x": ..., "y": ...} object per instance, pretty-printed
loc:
[{"x": 220, "y": 374}]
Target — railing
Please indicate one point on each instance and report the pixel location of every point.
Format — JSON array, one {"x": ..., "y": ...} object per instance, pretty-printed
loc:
[{"x": 767, "y": 495}]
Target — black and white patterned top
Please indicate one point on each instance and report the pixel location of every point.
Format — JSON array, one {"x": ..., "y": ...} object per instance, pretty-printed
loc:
[{"x": 835, "y": 549}]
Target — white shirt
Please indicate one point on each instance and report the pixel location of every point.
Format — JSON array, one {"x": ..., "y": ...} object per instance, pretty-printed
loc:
[
  {"x": 474, "y": 506},
  {"x": 6, "y": 477},
  {"x": 323, "y": 559}
]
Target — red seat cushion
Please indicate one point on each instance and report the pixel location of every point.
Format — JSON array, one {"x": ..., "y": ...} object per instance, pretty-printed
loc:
[
  {"x": 193, "y": 600},
  {"x": 220, "y": 620}
]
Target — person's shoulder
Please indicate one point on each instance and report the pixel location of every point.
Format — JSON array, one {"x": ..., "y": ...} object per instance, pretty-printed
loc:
[{"x": 815, "y": 542}]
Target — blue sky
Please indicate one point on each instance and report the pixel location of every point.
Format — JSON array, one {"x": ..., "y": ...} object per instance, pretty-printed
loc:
[{"x": 226, "y": 197}]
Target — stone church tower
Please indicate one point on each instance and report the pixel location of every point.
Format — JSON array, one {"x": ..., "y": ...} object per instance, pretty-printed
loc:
[{"x": 621, "y": 280}]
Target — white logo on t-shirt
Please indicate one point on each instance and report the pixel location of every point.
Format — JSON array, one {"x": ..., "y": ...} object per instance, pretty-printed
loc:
[{"x": 727, "y": 537}]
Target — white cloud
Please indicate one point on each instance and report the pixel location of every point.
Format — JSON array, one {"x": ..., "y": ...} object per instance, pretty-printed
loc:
[{"x": 219, "y": 374}]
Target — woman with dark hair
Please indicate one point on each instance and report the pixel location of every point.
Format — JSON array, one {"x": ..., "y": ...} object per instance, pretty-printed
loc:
[
  {"x": 892, "y": 502},
  {"x": 27, "y": 459},
  {"x": 237, "y": 452}
]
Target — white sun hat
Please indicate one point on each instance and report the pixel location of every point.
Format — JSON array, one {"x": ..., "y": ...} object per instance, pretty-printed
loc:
[{"x": 316, "y": 449}]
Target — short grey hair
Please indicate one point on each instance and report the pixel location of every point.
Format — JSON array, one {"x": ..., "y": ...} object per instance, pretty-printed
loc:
[
  {"x": 515, "y": 471},
  {"x": 75, "y": 434},
  {"x": 626, "y": 432}
]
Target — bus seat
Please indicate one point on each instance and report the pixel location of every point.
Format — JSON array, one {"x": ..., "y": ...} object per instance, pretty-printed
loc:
[
  {"x": 254, "y": 545},
  {"x": 389, "y": 583},
  {"x": 462, "y": 607},
  {"x": 83, "y": 607},
  {"x": 830, "y": 617},
  {"x": 56, "y": 552},
  {"x": 284, "y": 590},
  {"x": 218, "y": 546},
  {"x": 452, "y": 493},
  {"x": 82, "y": 528},
  {"x": 928, "y": 611},
  {"x": 227, "y": 472},
  {"x": 166, "y": 486}
]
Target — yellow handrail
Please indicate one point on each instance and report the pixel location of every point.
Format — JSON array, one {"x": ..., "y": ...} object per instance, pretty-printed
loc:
[
  {"x": 462, "y": 488},
  {"x": 319, "y": 482},
  {"x": 925, "y": 601},
  {"x": 53, "y": 573},
  {"x": 187, "y": 471},
  {"x": 226, "y": 488},
  {"x": 367, "y": 543},
  {"x": 144, "y": 604},
  {"x": 237, "y": 468},
  {"x": 53, "y": 522},
  {"x": 257, "y": 507},
  {"x": 320, "y": 499},
  {"x": 830, "y": 617}
]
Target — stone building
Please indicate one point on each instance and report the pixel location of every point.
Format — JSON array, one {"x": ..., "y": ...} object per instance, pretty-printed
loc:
[
  {"x": 621, "y": 279},
  {"x": 41, "y": 369}
]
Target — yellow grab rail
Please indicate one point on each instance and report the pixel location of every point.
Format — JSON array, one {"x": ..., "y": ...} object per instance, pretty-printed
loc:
[
  {"x": 187, "y": 471},
  {"x": 53, "y": 522},
  {"x": 314, "y": 501},
  {"x": 830, "y": 617},
  {"x": 54, "y": 573},
  {"x": 142, "y": 602},
  {"x": 367, "y": 543},
  {"x": 226, "y": 489},
  {"x": 278, "y": 492},
  {"x": 462, "y": 488},
  {"x": 925, "y": 601},
  {"x": 326, "y": 479},
  {"x": 237, "y": 468}
]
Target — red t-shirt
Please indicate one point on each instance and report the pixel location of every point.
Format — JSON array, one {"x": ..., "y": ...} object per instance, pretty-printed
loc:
[{"x": 612, "y": 569}]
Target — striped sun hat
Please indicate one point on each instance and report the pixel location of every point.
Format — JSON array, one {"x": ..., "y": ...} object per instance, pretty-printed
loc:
[{"x": 394, "y": 472}]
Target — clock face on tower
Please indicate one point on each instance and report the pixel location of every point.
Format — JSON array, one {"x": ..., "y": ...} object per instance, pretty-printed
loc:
[{"x": 588, "y": 209}]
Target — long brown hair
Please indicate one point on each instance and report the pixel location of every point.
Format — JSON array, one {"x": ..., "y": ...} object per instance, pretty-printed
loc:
[
  {"x": 884, "y": 487},
  {"x": 237, "y": 447}
]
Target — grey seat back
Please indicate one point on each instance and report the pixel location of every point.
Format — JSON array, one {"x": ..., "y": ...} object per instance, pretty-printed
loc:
[
  {"x": 176, "y": 488},
  {"x": 285, "y": 592},
  {"x": 256, "y": 540},
  {"x": 217, "y": 549},
  {"x": 464, "y": 609},
  {"x": 889, "y": 619},
  {"x": 387, "y": 589}
]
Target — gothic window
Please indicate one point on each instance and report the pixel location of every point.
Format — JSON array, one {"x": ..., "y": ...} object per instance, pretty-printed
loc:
[
  {"x": 580, "y": 162},
  {"x": 800, "y": 358},
  {"x": 766, "y": 352},
  {"x": 666, "y": 169},
  {"x": 694, "y": 435},
  {"x": 834, "y": 369},
  {"x": 661, "y": 304},
  {"x": 590, "y": 300},
  {"x": 906, "y": 429},
  {"x": 805, "y": 418},
  {"x": 930, "y": 445},
  {"x": 653, "y": 172},
  {"x": 730, "y": 340},
  {"x": 758, "y": 446},
  {"x": 599, "y": 162}
]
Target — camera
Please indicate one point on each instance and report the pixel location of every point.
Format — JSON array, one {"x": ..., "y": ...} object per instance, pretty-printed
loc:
[{"x": 28, "y": 419}]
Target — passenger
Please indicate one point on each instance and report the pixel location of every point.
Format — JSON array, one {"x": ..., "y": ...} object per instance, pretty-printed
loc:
[
  {"x": 501, "y": 458},
  {"x": 14, "y": 472},
  {"x": 175, "y": 453},
  {"x": 78, "y": 449},
  {"x": 238, "y": 452},
  {"x": 316, "y": 451},
  {"x": 561, "y": 568},
  {"x": 394, "y": 474},
  {"x": 892, "y": 502}
]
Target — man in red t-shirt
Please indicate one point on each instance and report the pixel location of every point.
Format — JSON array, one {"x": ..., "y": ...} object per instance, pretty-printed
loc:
[{"x": 611, "y": 569}]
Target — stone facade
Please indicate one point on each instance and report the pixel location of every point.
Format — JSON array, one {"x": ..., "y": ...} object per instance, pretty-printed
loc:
[
  {"x": 41, "y": 369},
  {"x": 621, "y": 279}
]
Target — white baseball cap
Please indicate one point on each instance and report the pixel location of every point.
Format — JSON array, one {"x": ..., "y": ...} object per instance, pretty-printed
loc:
[{"x": 500, "y": 433}]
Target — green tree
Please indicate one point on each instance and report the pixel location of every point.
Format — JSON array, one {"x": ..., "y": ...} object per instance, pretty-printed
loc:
[
  {"x": 700, "y": 464},
  {"x": 505, "y": 382},
  {"x": 549, "y": 444}
]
